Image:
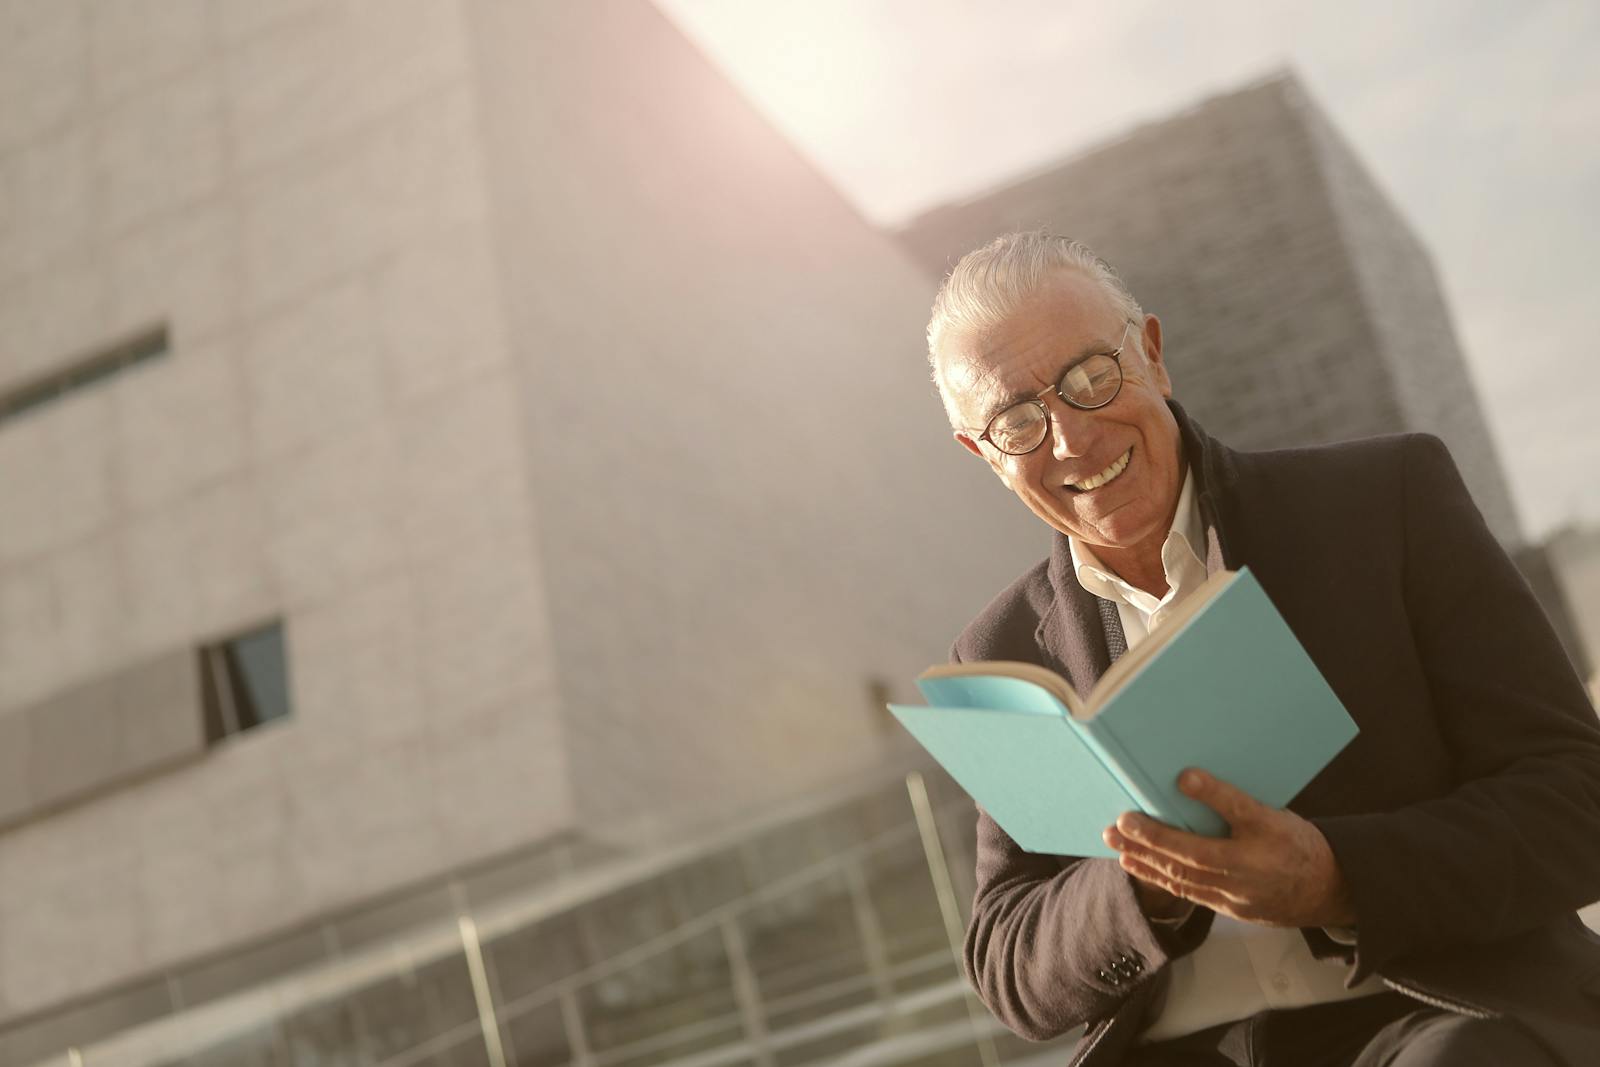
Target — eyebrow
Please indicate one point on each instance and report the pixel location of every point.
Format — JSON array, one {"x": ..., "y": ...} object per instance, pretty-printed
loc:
[{"x": 1095, "y": 348}]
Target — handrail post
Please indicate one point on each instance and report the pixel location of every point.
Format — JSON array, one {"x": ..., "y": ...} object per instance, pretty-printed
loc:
[
  {"x": 577, "y": 1036},
  {"x": 949, "y": 910},
  {"x": 480, "y": 990},
  {"x": 746, "y": 992},
  {"x": 872, "y": 941}
]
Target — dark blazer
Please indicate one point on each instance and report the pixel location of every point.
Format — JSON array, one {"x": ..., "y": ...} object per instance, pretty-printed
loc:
[{"x": 1465, "y": 816}]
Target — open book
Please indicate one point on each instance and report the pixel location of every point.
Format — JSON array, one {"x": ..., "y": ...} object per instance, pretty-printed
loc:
[{"x": 1223, "y": 685}]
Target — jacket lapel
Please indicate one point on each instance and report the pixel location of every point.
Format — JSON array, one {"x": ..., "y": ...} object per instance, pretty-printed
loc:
[{"x": 1071, "y": 632}]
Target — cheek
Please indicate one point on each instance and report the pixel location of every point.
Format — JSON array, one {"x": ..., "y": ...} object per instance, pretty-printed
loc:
[
  {"x": 1023, "y": 479},
  {"x": 1031, "y": 487}
]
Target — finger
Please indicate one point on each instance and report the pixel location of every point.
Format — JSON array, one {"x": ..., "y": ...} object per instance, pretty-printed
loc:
[
  {"x": 1163, "y": 861},
  {"x": 1173, "y": 873},
  {"x": 1222, "y": 904},
  {"x": 1193, "y": 850},
  {"x": 1145, "y": 873},
  {"x": 1211, "y": 897},
  {"x": 1232, "y": 803},
  {"x": 1116, "y": 839}
]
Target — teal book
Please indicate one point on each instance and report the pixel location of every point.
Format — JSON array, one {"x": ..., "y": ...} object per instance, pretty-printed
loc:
[{"x": 1223, "y": 685}]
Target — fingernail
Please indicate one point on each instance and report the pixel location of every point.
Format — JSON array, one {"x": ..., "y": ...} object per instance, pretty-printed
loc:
[{"x": 1190, "y": 781}]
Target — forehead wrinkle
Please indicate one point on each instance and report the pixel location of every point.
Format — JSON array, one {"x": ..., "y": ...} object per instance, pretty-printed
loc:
[
  {"x": 1030, "y": 347},
  {"x": 1044, "y": 372},
  {"x": 968, "y": 380}
]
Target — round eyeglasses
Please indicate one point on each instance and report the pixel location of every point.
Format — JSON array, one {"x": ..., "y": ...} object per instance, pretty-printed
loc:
[{"x": 1088, "y": 383}]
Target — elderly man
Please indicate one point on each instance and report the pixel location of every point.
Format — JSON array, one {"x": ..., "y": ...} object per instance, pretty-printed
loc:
[{"x": 1415, "y": 904}]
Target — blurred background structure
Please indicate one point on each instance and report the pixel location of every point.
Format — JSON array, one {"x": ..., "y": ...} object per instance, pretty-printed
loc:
[
  {"x": 467, "y": 482},
  {"x": 1305, "y": 307}
]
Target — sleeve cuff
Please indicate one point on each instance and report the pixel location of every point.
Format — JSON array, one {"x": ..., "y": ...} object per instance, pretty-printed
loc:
[
  {"x": 1172, "y": 922},
  {"x": 1344, "y": 935}
]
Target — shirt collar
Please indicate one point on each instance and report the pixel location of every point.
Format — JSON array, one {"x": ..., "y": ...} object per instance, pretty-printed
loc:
[{"x": 1185, "y": 534}]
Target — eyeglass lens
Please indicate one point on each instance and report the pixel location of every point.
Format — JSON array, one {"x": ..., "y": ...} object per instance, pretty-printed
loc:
[{"x": 1092, "y": 383}]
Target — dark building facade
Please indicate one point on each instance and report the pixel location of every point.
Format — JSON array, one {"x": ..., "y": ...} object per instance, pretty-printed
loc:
[{"x": 1298, "y": 305}]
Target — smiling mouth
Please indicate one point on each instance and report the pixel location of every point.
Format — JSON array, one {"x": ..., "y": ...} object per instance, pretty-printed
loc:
[{"x": 1105, "y": 477}]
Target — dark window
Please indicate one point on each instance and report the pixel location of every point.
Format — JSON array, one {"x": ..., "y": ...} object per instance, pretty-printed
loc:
[
  {"x": 245, "y": 681},
  {"x": 84, "y": 372}
]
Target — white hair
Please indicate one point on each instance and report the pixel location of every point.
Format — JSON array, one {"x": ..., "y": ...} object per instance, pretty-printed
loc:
[{"x": 989, "y": 284}]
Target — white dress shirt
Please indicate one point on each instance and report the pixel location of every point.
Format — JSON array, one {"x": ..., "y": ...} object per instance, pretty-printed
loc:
[{"x": 1241, "y": 968}]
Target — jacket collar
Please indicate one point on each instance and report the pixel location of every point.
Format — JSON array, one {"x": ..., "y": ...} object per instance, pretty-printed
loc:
[{"x": 1071, "y": 632}]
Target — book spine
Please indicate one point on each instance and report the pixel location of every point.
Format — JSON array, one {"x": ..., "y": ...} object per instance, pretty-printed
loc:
[{"x": 1125, "y": 769}]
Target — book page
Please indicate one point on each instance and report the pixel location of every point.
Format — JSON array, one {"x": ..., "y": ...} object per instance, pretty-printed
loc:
[
  {"x": 1043, "y": 677},
  {"x": 1129, "y": 663}
]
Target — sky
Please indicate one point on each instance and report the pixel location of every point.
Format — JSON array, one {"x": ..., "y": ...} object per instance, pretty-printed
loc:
[{"x": 1479, "y": 118}]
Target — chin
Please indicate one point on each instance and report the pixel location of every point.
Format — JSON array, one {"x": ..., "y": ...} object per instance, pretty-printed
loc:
[{"x": 1128, "y": 526}]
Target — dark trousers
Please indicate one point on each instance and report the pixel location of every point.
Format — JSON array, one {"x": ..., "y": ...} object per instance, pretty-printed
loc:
[{"x": 1383, "y": 1030}]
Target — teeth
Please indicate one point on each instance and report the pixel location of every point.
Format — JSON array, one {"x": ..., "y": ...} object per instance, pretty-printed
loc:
[{"x": 1104, "y": 476}]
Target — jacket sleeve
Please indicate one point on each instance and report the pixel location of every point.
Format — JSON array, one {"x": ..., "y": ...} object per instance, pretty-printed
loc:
[
  {"x": 1056, "y": 942},
  {"x": 1513, "y": 845}
]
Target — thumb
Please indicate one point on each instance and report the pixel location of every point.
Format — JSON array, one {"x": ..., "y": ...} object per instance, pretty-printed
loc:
[{"x": 1234, "y": 805}]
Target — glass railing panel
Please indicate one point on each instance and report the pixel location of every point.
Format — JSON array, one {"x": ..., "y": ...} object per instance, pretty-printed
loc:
[
  {"x": 464, "y": 1048},
  {"x": 907, "y": 907},
  {"x": 623, "y": 920},
  {"x": 781, "y": 851},
  {"x": 864, "y": 819},
  {"x": 326, "y": 1034},
  {"x": 835, "y": 913},
  {"x": 676, "y": 1001},
  {"x": 535, "y": 1036},
  {"x": 829, "y": 1047},
  {"x": 807, "y": 953},
  {"x": 706, "y": 883},
  {"x": 261, "y": 1046},
  {"x": 533, "y": 958},
  {"x": 81, "y": 1024}
]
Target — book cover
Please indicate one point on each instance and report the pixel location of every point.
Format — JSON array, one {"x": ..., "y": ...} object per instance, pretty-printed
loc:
[{"x": 1228, "y": 688}]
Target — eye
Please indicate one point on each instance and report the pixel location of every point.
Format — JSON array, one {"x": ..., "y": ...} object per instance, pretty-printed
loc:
[
  {"x": 1093, "y": 381},
  {"x": 1017, "y": 429}
]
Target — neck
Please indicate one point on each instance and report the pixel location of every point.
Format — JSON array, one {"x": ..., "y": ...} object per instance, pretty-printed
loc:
[{"x": 1140, "y": 566}]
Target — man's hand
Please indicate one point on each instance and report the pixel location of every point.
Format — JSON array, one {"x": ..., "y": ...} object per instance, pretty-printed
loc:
[
  {"x": 1276, "y": 869},
  {"x": 1159, "y": 904}
]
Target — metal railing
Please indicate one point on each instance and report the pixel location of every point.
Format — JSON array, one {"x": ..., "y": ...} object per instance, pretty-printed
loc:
[{"x": 854, "y": 954}]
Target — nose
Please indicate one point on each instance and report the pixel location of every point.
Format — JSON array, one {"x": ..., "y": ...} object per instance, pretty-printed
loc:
[{"x": 1069, "y": 428}]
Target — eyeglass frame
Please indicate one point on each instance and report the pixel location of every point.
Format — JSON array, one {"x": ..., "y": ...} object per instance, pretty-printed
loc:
[{"x": 1038, "y": 399}]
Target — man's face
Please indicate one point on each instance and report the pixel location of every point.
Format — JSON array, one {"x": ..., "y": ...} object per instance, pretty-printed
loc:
[{"x": 1073, "y": 316}]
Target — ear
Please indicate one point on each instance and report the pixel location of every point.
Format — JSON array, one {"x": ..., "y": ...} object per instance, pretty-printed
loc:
[
  {"x": 1150, "y": 341},
  {"x": 968, "y": 443}
]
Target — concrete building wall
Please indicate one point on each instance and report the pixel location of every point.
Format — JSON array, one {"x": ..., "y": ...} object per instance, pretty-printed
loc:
[
  {"x": 466, "y": 303},
  {"x": 1298, "y": 307},
  {"x": 296, "y": 189},
  {"x": 751, "y": 506}
]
